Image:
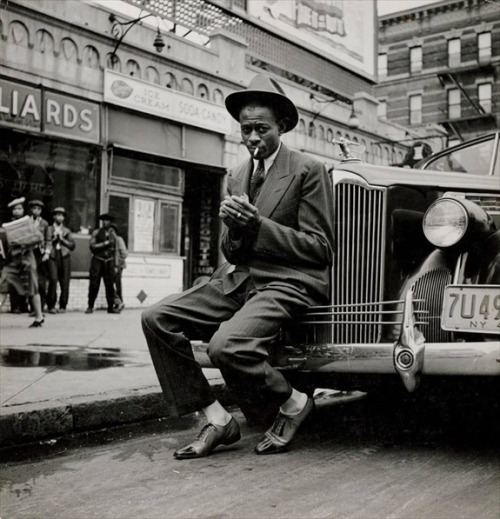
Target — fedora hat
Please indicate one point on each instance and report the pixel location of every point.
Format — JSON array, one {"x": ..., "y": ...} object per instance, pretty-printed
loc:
[
  {"x": 59, "y": 210},
  {"x": 38, "y": 203},
  {"x": 107, "y": 216},
  {"x": 267, "y": 90},
  {"x": 16, "y": 201}
]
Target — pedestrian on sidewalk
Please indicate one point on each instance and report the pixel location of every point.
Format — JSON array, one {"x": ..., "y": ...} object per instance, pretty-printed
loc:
[
  {"x": 121, "y": 254},
  {"x": 36, "y": 207},
  {"x": 278, "y": 241},
  {"x": 102, "y": 264},
  {"x": 60, "y": 244},
  {"x": 19, "y": 271}
]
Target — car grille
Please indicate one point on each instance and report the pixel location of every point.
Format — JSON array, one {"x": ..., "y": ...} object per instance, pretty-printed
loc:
[
  {"x": 429, "y": 288},
  {"x": 359, "y": 260}
]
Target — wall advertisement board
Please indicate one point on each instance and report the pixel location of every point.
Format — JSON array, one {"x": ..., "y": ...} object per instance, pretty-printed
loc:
[{"x": 343, "y": 31}]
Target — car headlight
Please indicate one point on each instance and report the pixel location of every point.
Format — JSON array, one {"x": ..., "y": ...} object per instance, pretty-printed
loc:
[
  {"x": 445, "y": 222},
  {"x": 456, "y": 222}
]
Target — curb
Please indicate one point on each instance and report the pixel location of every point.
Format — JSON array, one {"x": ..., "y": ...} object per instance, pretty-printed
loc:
[{"x": 80, "y": 416}]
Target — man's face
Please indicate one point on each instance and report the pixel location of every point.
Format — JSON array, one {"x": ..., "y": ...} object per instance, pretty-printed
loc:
[
  {"x": 59, "y": 217},
  {"x": 18, "y": 211},
  {"x": 106, "y": 223},
  {"x": 260, "y": 130},
  {"x": 36, "y": 210}
]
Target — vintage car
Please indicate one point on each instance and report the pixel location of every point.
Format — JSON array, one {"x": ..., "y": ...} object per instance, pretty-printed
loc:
[{"x": 415, "y": 279}]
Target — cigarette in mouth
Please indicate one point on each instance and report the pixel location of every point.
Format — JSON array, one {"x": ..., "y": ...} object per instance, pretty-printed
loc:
[{"x": 255, "y": 151}]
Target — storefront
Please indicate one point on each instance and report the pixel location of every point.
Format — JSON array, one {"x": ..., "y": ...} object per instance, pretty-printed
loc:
[
  {"x": 164, "y": 172},
  {"x": 50, "y": 150},
  {"x": 154, "y": 159}
]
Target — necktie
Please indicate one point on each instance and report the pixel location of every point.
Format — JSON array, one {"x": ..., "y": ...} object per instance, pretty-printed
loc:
[{"x": 257, "y": 180}]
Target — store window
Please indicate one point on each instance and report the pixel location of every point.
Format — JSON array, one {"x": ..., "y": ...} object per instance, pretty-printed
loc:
[
  {"x": 146, "y": 199},
  {"x": 58, "y": 173},
  {"x": 416, "y": 60},
  {"x": 484, "y": 47},
  {"x": 454, "y": 110},
  {"x": 416, "y": 109},
  {"x": 484, "y": 96},
  {"x": 454, "y": 52}
]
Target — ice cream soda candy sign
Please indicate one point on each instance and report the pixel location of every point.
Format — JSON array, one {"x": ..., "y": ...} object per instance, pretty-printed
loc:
[{"x": 159, "y": 101}]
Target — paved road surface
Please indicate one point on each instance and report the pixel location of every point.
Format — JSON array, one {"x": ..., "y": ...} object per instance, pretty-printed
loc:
[{"x": 365, "y": 460}]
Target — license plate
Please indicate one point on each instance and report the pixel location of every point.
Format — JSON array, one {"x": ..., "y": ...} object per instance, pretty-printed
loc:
[{"x": 471, "y": 308}]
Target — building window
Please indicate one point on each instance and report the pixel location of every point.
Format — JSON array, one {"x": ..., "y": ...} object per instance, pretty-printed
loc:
[
  {"x": 382, "y": 110},
  {"x": 484, "y": 47},
  {"x": 415, "y": 60},
  {"x": 484, "y": 96},
  {"x": 416, "y": 109},
  {"x": 454, "y": 103},
  {"x": 382, "y": 66},
  {"x": 454, "y": 50}
]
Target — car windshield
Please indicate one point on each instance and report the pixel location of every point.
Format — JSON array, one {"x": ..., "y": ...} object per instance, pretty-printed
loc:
[{"x": 474, "y": 159}]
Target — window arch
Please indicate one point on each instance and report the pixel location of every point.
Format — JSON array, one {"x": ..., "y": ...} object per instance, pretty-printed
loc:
[
  {"x": 218, "y": 97},
  {"x": 133, "y": 68},
  {"x": 329, "y": 135},
  {"x": 301, "y": 128},
  {"x": 18, "y": 34},
  {"x": 152, "y": 75},
  {"x": 69, "y": 50},
  {"x": 187, "y": 86},
  {"x": 311, "y": 130},
  {"x": 91, "y": 57},
  {"x": 44, "y": 42},
  {"x": 170, "y": 81},
  {"x": 203, "y": 91},
  {"x": 113, "y": 62},
  {"x": 321, "y": 133}
]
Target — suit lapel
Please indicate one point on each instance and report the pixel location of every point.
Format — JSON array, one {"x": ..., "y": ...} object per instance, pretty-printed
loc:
[
  {"x": 277, "y": 180},
  {"x": 241, "y": 179}
]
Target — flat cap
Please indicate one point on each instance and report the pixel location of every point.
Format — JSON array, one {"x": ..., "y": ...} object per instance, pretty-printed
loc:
[
  {"x": 17, "y": 201},
  {"x": 59, "y": 210},
  {"x": 39, "y": 203}
]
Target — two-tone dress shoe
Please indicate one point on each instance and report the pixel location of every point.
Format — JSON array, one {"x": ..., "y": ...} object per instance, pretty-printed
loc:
[
  {"x": 208, "y": 439},
  {"x": 279, "y": 436}
]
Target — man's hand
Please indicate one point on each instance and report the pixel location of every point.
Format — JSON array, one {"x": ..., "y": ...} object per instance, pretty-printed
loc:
[
  {"x": 45, "y": 256},
  {"x": 238, "y": 213}
]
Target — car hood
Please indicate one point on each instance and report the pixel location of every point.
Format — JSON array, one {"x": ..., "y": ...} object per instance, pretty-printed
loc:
[{"x": 389, "y": 176}]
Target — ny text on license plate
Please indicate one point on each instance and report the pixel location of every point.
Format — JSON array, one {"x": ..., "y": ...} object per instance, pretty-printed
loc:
[{"x": 471, "y": 308}]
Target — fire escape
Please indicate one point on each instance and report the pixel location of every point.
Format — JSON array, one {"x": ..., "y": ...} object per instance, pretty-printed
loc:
[{"x": 474, "y": 118}]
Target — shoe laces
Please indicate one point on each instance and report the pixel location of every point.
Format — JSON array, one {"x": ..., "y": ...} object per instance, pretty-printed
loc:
[
  {"x": 205, "y": 431},
  {"x": 279, "y": 424}
]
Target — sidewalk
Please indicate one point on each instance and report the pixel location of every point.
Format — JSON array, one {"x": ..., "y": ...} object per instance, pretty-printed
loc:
[{"x": 76, "y": 373}]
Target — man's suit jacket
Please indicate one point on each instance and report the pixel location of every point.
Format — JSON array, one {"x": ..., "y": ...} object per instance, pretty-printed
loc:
[
  {"x": 67, "y": 245},
  {"x": 294, "y": 243}
]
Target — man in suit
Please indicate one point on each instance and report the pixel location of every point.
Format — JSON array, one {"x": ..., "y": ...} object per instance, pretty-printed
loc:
[
  {"x": 279, "y": 244},
  {"x": 102, "y": 265},
  {"x": 60, "y": 245}
]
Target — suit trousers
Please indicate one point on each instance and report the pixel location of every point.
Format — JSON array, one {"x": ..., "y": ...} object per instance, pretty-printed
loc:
[
  {"x": 105, "y": 270},
  {"x": 241, "y": 323},
  {"x": 59, "y": 271}
]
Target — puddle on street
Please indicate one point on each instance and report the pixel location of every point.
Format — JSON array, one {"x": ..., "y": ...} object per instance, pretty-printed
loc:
[{"x": 77, "y": 358}]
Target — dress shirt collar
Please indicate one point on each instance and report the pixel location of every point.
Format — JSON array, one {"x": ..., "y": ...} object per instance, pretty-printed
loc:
[{"x": 268, "y": 161}]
